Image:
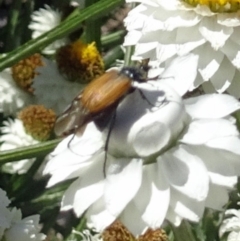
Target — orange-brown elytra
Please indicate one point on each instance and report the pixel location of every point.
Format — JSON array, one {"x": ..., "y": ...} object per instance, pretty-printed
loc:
[{"x": 99, "y": 98}]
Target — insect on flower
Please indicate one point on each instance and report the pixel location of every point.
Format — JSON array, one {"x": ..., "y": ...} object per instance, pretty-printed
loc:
[{"x": 99, "y": 99}]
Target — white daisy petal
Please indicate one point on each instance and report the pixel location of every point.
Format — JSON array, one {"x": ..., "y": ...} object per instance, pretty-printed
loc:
[
  {"x": 154, "y": 188},
  {"x": 214, "y": 33},
  {"x": 85, "y": 190},
  {"x": 98, "y": 217},
  {"x": 132, "y": 219},
  {"x": 211, "y": 106},
  {"x": 44, "y": 20},
  {"x": 175, "y": 69},
  {"x": 190, "y": 167},
  {"x": 186, "y": 207},
  {"x": 201, "y": 131},
  {"x": 221, "y": 193},
  {"x": 123, "y": 173}
]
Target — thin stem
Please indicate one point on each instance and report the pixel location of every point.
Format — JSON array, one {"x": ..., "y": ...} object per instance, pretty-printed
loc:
[
  {"x": 66, "y": 27},
  {"x": 28, "y": 152}
]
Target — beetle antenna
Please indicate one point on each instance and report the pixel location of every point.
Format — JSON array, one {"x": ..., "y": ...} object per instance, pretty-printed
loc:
[{"x": 112, "y": 122}]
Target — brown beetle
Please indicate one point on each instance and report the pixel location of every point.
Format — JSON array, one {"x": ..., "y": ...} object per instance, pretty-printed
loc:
[{"x": 98, "y": 100}]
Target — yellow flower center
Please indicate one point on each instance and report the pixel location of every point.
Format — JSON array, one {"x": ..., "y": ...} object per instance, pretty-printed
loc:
[
  {"x": 217, "y": 5},
  {"x": 25, "y": 71},
  {"x": 80, "y": 62},
  {"x": 38, "y": 121}
]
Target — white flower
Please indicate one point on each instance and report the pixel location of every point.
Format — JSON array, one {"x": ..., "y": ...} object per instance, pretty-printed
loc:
[
  {"x": 14, "y": 136},
  {"x": 86, "y": 236},
  {"x": 12, "y": 98},
  {"x": 161, "y": 30},
  {"x": 231, "y": 224},
  {"x": 51, "y": 89},
  {"x": 165, "y": 160},
  {"x": 5, "y": 214},
  {"x": 26, "y": 229},
  {"x": 44, "y": 20}
]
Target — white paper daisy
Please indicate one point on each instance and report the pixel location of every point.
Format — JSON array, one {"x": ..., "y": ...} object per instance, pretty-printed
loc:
[
  {"x": 12, "y": 97},
  {"x": 163, "y": 29},
  {"x": 23, "y": 229},
  {"x": 44, "y": 20},
  {"x": 231, "y": 225},
  {"x": 5, "y": 214},
  {"x": 13, "y": 135},
  {"x": 166, "y": 161}
]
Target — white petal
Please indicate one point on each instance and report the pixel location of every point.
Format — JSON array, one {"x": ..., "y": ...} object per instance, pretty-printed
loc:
[
  {"x": 211, "y": 106},
  {"x": 235, "y": 85},
  {"x": 186, "y": 207},
  {"x": 154, "y": 190},
  {"x": 223, "y": 180},
  {"x": 229, "y": 19},
  {"x": 132, "y": 38},
  {"x": 216, "y": 34},
  {"x": 184, "y": 45},
  {"x": 190, "y": 174},
  {"x": 222, "y": 79},
  {"x": 124, "y": 178},
  {"x": 232, "y": 52},
  {"x": 132, "y": 219},
  {"x": 230, "y": 143},
  {"x": 215, "y": 160},
  {"x": 210, "y": 62},
  {"x": 201, "y": 131},
  {"x": 179, "y": 19},
  {"x": 73, "y": 156},
  {"x": 85, "y": 190},
  {"x": 173, "y": 217},
  {"x": 146, "y": 49},
  {"x": 181, "y": 73},
  {"x": 98, "y": 217},
  {"x": 217, "y": 198}
]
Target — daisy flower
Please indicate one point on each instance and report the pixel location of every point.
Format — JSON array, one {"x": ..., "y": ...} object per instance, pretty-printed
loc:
[
  {"x": 76, "y": 64},
  {"x": 44, "y": 20},
  {"x": 14, "y": 136},
  {"x": 5, "y": 214},
  {"x": 34, "y": 124},
  {"x": 167, "y": 158},
  {"x": 161, "y": 30},
  {"x": 14, "y": 227},
  {"x": 12, "y": 97},
  {"x": 231, "y": 225},
  {"x": 23, "y": 229}
]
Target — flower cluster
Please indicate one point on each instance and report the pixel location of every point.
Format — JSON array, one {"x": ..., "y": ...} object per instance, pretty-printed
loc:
[
  {"x": 14, "y": 227},
  {"x": 143, "y": 147}
]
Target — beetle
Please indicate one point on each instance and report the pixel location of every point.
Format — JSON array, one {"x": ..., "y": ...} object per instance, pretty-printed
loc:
[{"x": 97, "y": 101}]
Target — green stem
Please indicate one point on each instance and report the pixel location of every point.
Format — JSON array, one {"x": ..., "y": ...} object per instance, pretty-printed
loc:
[
  {"x": 113, "y": 38},
  {"x": 93, "y": 28},
  {"x": 128, "y": 55},
  {"x": 66, "y": 27},
  {"x": 11, "y": 36},
  {"x": 111, "y": 56},
  {"x": 28, "y": 152},
  {"x": 183, "y": 232}
]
